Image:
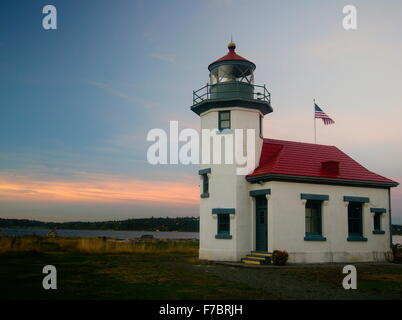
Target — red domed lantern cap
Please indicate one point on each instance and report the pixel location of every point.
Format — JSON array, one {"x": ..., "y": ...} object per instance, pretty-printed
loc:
[{"x": 231, "y": 56}]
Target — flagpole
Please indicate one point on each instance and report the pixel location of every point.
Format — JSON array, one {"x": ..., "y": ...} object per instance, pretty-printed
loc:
[{"x": 315, "y": 126}]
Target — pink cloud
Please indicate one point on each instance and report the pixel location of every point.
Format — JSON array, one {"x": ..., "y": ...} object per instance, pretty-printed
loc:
[{"x": 96, "y": 189}]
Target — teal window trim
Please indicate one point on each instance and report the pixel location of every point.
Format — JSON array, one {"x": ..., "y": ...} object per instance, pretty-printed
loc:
[
  {"x": 223, "y": 211},
  {"x": 205, "y": 195},
  {"x": 379, "y": 210},
  {"x": 220, "y": 126},
  {"x": 308, "y": 196},
  {"x": 204, "y": 171},
  {"x": 378, "y": 232},
  {"x": 356, "y": 199},
  {"x": 223, "y": 236},
  {"x": 356, "y": 237},
  {"x": 312, "y": 236},
  {"x": 262, "y": 192}
]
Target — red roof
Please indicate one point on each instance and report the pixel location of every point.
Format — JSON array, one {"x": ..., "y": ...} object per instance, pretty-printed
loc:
[
  {"x": 231, "y": 56},
  {"x": 280, "y": 157}
]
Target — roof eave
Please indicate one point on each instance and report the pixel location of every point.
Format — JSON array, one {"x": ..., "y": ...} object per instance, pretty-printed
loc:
[
  {"x": 320, "y": 180},
  {"x": 218, "y": 63}
]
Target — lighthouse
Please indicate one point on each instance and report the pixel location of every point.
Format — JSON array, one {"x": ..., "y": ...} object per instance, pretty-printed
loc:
[
  {"x": 312, "y": 200},
  {"x": 228, "y": 102}
]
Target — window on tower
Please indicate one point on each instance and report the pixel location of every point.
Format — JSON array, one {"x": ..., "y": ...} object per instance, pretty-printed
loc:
[
  {"x": 223, "y": 224},
  {"x": 204, "y": 182},
  {"x": 224, "y": 120},
  {"x": 205, "y": 186}
]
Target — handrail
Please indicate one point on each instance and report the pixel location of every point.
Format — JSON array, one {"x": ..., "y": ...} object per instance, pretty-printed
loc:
[{"x": 259, "y": 92}]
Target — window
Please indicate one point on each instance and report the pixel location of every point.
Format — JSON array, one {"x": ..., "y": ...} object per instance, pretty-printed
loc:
[
  {"x": 355, "y": 223},
  {"x": 231, "y": 73},
  {"x": 224, "y": 120},
  {"x": 223, "y": 217},
  {"x": 223, "y": 224},
  {"x": 205, "y": 182},
  {"x": 313, "y": 216},
  {"x": 377, "y": 221},
  {"x": 205, "y": 186},
  {"x": 313, "y": 220}
]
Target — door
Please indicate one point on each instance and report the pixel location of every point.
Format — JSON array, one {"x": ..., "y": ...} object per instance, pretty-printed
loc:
[{"x": 261, "y": 241}]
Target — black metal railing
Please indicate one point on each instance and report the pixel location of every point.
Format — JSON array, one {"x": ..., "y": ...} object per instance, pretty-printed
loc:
[{"x": 231, "y": 90}]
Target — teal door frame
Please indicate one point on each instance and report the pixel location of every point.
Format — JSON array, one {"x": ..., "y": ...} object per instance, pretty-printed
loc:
[{"x": 261, "y": 224}]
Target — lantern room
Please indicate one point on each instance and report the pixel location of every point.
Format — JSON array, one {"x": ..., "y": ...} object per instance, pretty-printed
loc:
[
  {"x": 231, "y": 83},
  {"x": 231, "y": 68}
]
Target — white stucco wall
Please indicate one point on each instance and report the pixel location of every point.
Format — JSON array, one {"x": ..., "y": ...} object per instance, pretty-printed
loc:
[
  {"x": 286, "y": 223},
  {"x": 227, "y": 190}
]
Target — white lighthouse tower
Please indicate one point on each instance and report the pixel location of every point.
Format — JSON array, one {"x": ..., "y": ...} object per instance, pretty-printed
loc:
[{"x": 230, "y": 101}]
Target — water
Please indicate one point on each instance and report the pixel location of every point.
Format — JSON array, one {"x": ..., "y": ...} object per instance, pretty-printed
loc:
[
  {"x": 118, "y": 234},
  {"x": 101, "y": 233},
  {"x": 397, "y": 239}
]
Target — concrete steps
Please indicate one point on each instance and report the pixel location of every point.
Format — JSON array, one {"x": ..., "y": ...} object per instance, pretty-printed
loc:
[{"x": 257, "y": 257}]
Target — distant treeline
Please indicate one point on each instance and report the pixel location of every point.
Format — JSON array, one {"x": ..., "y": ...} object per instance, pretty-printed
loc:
[
  {"x": 397, "y": 229},
  {"x": 188, "y": 224}
]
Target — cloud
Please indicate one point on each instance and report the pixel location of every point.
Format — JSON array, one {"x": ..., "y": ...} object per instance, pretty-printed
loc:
[
  {"x": 112, "y": 91},
  {"x": 121, "y": 94},
  {"x": 96, "y": 188},
  {"x": 170, "y": 58}
]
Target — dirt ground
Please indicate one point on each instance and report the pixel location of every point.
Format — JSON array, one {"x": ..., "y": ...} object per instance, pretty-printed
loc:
[
  {"x": 313, "y": 281},
  {"x": 171, "y": 270}
]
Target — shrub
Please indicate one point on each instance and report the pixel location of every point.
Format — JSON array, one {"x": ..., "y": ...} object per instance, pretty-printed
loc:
[
  {"x": 280, "y": 257},
  {"x": 397, "y": 252}
]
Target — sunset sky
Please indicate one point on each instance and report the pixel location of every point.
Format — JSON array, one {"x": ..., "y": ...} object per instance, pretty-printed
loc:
[{"x": 77, "y": 102}]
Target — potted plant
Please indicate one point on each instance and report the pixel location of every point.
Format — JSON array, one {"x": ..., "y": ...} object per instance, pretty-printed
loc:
[{"x": 280, "y": 257}]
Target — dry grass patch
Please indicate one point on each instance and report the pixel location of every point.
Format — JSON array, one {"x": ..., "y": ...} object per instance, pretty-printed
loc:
[{"x": 96, "y": 245}]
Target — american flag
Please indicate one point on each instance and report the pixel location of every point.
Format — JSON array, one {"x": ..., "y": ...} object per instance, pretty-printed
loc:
[{"x": 322, "y": 115}]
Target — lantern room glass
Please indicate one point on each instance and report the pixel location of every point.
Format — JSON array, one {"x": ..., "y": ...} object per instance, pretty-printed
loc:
[{"x": 231, "y": 73}]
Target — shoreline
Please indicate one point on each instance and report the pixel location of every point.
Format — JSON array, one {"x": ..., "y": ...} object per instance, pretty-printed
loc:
[
  {"x": 88, "y": 233},
  {"x": 123, "y": 230}
]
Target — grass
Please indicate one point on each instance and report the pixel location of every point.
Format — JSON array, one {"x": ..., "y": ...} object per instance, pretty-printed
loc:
[
  {"x": 93, "y": 268},
  {"x": 95, "y": 245},
  {"x": 100, "y": 268}
]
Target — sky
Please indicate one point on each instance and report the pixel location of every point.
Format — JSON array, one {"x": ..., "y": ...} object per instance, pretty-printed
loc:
[{"x": 77, "y": 102}]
